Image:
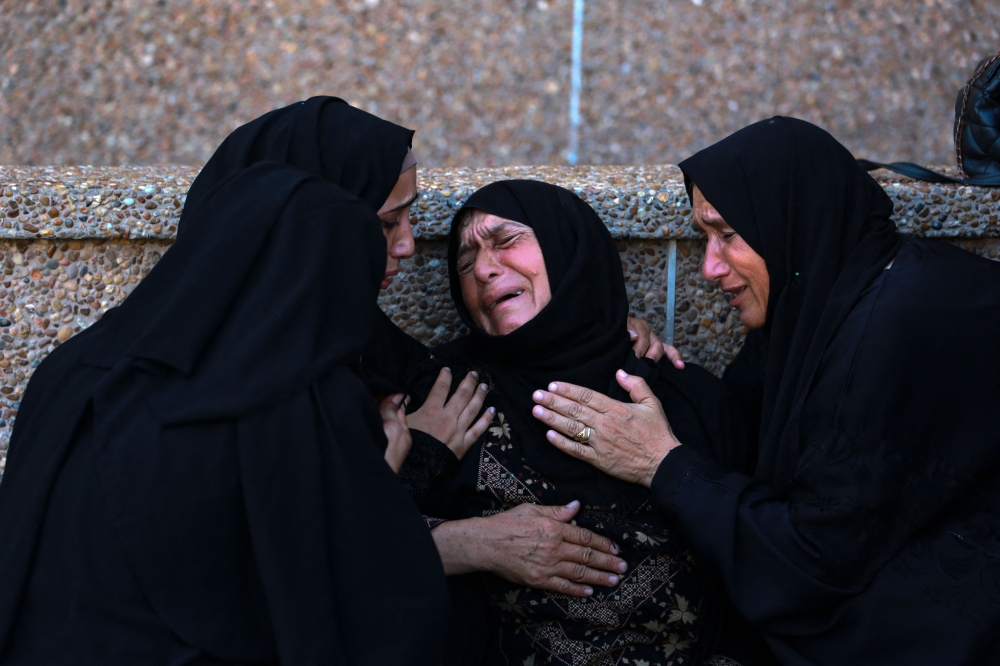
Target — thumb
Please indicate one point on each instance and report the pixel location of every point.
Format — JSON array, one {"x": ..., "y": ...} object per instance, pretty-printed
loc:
[
  {"x": 563, "y": 514},
  {"x": 390, "y": 405},
  {"x": 637, "y": 388}
]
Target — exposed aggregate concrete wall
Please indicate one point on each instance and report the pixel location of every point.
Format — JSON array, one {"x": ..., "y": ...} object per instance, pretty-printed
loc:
[{"x": 75, "y": 242}]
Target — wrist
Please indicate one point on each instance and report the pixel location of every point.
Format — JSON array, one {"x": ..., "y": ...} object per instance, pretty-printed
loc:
[
  {"x": 460, "y": 546},
  {"x": 668, "y": 445}
]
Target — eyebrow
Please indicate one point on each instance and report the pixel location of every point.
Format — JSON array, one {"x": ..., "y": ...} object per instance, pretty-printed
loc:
[
  {"x": 718, "y": 222},
  {"x": 408, "y": 202},
  {"x": 490, "y": 232}
]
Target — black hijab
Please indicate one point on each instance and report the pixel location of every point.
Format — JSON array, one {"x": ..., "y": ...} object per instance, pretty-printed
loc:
[
  {"x": 171, "y": 318},
  {"x": 249, "y": 327},
  {"x": 823, "y": 227},
  {"x": 579, "y": 337},
  {"x": 324, "y": 136}
]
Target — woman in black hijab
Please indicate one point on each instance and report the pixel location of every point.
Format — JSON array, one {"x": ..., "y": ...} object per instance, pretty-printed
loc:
[
  {"x": 869, "y": 532},
  {"x": 665, "y": 608},
  {"x": 198, "y": 478}
]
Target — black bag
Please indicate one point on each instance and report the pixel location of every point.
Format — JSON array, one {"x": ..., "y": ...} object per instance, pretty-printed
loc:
[{"x": 977, "y": 133}]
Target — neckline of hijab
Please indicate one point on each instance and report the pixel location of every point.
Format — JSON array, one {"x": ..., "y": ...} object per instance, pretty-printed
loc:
[{"x": 823, "y": 227}]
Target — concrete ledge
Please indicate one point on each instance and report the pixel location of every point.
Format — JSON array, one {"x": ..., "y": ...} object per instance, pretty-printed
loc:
[
  {"x": 646, "y": 202},
  {"x": 74, "y": 241}
]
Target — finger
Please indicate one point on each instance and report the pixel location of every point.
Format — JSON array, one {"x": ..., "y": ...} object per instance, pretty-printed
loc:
[
  {"x": 674, "y": 356},
  {"x": 401, "y": 413},
  {"x": 638, "y": 326},
  {"x": 637, "y": 388},
  {"x": 471, "y": 410},
  {"x": 563, "y": 514},
  {"x": 581, "y": 573},
  {"x": 566, "y": 407},
  {"x": 567, "y": 426},
  {"x": 479, "y": 427},
  {"x": 640, "y": 344},
  {"x": 463, "y": 394},
  {"x": 439, "y": 392},
  {"x": 580, "y": 537},
  {"x": 567, "y": 587},
  {"x": 655, "y": 351},
  {"x": 389, "y": 407},
  {"x": 568, "y": 446},
  {"x": 585, "y": 396}
]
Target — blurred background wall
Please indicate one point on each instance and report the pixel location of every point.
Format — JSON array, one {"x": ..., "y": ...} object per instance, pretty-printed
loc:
[{"x": 485, "y": 82}]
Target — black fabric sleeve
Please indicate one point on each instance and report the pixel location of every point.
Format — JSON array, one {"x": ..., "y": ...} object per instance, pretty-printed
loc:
[
  {"x": 429, "y": 464},
  {"x": 770, "y": 572},
  {"x": 340, "y": 548}
]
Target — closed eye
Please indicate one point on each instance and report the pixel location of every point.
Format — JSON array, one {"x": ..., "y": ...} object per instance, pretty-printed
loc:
[{"x": 507, "y": 240}]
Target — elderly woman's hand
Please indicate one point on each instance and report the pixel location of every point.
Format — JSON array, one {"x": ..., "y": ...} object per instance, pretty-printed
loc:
[
  {"x": 393, "y": 410},
  {"x": 531, "y": 545},
  {"x": 646, "y": 344},
  {"x": 453, "y": 421},
  {"x": 627, "y": 441}
]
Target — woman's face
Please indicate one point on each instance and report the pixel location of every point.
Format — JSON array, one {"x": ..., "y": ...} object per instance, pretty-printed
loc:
[
  {"x": 502, "y": 273},
  {"x": 732, "y": 264},
  {"x": 395, "y": 216}
]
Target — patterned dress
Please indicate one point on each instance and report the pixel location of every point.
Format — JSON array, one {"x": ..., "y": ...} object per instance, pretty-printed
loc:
[{"x": 652, "y": 616}]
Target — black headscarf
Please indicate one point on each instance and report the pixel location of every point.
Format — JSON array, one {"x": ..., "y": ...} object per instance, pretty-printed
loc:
[
  {"x": 171, "y": 317},
  {"x": 579, "y": 337},
  {"x": 823, "y": 227},
  {"x": 247, "y": 330},
  {"x": 324, "y": 136}
]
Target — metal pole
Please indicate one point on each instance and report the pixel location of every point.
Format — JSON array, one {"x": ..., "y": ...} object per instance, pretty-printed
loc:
[
  {"x": 576, "y": 83},
  {"x": 671, "y": 289}
]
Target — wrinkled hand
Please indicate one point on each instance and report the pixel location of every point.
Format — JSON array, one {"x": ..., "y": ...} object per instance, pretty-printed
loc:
[
  {"x": 393, "y": 410},
  {"x": 646, "y": 344},
  {"x": 453, "y": 421},
  {"x": 627, "y": 441},
  {"x": 531, "y": 545}
]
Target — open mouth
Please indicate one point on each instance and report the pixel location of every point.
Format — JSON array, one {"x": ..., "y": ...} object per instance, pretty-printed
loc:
[
  {"x": 506, "y": 297},
  {"x": 735, "y": 295}
]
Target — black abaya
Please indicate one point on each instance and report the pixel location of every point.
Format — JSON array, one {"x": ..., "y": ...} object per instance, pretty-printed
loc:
[
  {"x": 870, "y": 531},
  {"x": 199, "y": 477}
]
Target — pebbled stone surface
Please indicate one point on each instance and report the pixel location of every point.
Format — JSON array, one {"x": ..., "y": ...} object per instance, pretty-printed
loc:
[{"x": 484, "y": 83}]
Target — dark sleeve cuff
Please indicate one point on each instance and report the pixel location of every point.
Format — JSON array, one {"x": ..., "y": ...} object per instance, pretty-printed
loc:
[
  {"x": 429, "y": 465},
  {"x": 434, "y": 522},
  {"x": 673, "y": 469}
]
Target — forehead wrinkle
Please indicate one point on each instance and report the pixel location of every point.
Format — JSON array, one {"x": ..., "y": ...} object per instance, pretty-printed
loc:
[
  {"x": 490, "y": 231},
  {"x": 708, "y": 215}
]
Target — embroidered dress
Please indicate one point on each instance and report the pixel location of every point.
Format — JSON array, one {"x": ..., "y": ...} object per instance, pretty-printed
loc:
[{"x": 652, "y": 616}]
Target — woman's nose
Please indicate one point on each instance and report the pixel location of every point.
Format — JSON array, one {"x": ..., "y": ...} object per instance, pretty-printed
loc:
[
  {"x": 486, "y": 266},
  {"x": 402, "y": 245},
  {"x": 715, "y": 267}
]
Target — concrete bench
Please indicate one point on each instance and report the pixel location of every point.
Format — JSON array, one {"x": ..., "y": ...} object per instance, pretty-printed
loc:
[{"x": 74, "y": 241}]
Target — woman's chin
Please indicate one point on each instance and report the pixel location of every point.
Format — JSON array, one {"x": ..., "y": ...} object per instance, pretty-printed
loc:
[{"x": 752, "y": 318}]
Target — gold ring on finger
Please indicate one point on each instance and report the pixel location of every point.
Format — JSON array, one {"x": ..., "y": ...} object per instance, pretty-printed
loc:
[{"x": 584, "y": 435}]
